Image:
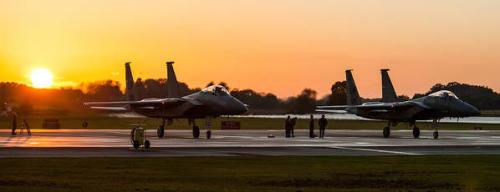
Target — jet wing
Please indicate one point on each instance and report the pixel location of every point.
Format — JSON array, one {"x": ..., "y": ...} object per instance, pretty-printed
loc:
[
  {"x": 381, "y": 107},
  {"x": 177, "y": 105},
  {"x": 123, "y": 105},
  {"x": 141, "y": 102},
  {"x": 333, "y": 107},
  {"x": 331, "y": 111},
  {"x": 110, "y": 108}
]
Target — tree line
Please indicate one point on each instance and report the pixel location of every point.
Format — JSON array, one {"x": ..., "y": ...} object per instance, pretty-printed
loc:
[{"x": 62, "y": 101}]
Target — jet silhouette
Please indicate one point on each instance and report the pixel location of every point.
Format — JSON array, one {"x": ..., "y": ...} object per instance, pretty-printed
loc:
[
  {"x": 431, "y": 107},
  {"x": 208, "y": 103}
]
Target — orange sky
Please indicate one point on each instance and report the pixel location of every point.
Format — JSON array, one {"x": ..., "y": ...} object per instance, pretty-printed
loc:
[{"x": 279, "y": 46}]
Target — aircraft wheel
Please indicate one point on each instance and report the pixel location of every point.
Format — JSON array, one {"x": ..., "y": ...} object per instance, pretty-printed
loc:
[
  {"x": 147, "y": 144},
  {"x": 435, "y": 134},
  {"x": 386, "y": 132},
  {"x": 196, "y": 132},
  {"x": 136, "y": 144},
  {"x": 416, "y": 132},
  {"x": 160, "y": 132},
  {"x": 209, "y": 134}
]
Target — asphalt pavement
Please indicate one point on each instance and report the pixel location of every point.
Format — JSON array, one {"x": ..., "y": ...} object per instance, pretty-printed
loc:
[{"x": 116, "y": 143}]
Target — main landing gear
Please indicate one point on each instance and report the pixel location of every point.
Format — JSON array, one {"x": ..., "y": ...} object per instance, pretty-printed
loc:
[
  {"x": 196, "y": 129},
  {"x": 387, "y": 130},
  {"x": 435, "y": 134},
  {"x": 416, "y": 130},
  {"x": 161, "y": 129}
]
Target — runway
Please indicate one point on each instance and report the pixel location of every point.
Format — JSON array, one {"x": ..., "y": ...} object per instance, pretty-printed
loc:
[{"x": 115, "y": 143}]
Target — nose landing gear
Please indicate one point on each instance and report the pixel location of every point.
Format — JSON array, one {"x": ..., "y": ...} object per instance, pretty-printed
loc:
[
  {"x": 435, "y": 127},
  {"x": 208, "y": 124},
  {"x": 435, "y": 134},
  {"x": 386, "y": 132},
  {"x": 196, "y": 132},
  {"x": 416, "y": 132},
  {"x": 160, "y": 132}
]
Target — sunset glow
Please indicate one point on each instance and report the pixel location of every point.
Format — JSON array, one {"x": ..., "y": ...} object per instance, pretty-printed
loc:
[{"x": 278, "y": 46}]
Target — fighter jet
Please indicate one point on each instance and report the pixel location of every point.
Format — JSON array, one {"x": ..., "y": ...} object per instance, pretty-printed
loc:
[
  {"x": 208, "y": 103},
  {"x": 431, "y": 107}
]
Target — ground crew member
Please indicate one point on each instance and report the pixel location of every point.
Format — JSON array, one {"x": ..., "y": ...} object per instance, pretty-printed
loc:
[
  {"x": 311, "y": 127},
  {"x": 322, "y": 126},
  {"x": 14, "y": 124},
  {"x": 85, "y": 124},
  {"x": 26, "y": 126},
  {"x": 292, "y": 126},
  {"x": 287, "y": 126}
]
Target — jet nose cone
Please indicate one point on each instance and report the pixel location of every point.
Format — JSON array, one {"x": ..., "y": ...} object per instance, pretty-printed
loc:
[
  {"x": 475, "y": 111},
  {"x": 239, "y": 107},
  {"x": 471, "y": 110},
  {"x": 243, "y": 108}
]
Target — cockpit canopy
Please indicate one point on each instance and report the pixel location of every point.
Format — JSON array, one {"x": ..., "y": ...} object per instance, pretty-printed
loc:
[
  {"x": 444, "y": 94},
  {"x": 216, "y": 90}
]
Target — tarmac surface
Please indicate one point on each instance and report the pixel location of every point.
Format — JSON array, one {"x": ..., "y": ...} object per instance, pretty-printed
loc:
[{"x": 116, "y": 143}]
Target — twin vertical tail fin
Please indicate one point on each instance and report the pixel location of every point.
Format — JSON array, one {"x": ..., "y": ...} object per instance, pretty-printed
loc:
[
  {"x": 172, "y": 84},
  {"x": 388, "y": 92},
  {"x": 129, "y": 83},
  {"x": 352, "y": 91}
]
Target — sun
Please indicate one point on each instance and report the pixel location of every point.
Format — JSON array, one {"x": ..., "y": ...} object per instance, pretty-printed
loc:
[{"x": 41, "y": 78}]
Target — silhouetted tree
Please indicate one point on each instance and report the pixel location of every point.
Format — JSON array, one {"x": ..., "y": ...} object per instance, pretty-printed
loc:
[
  {"x": 259, "y": 102},
  {"x": 25, "y": 108},
  {"x": 155, "y": 88},
  {"x": 210, "y": 84},
  {"x": 403, "y": 98},
  {"x": 305, "y": 102},
  {"x": 224, "y": 84},
  {"x": 105, "y": 90},
  {"x": 29, "y": 100},
  {"x": 139, "y": 89},
  {"x": 338, "y": 95},
  {"x": 185, "y": 90}
]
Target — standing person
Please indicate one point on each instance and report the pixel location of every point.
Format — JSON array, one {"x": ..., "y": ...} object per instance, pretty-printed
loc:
[
  {"x": 14, "y": 124},
  {"x": 85, "y": 124},
  {"x": 292, "y": 126},
  {"x": 311, "y": 127},
  {"x": 287, "y": 126},
  {"x": 9, "y": 110},
  {"x": 25, "y": 125},
  {"x": 322, "y": 126}
]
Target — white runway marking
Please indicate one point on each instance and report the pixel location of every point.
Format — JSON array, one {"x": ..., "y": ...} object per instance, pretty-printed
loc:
[{"x": 377, "y": 150}]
